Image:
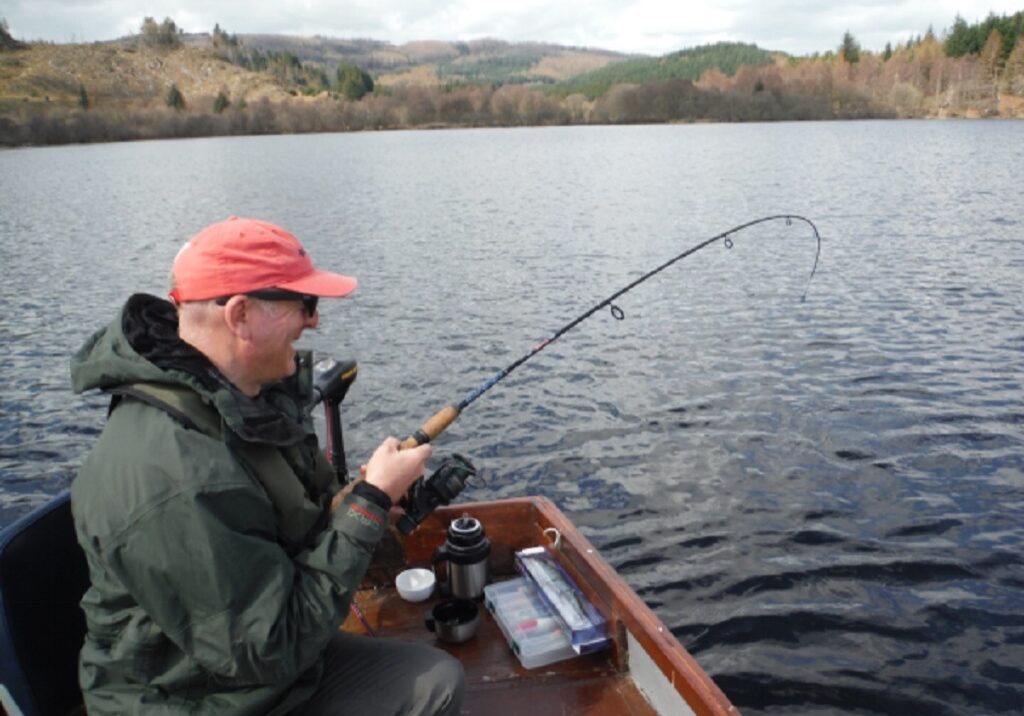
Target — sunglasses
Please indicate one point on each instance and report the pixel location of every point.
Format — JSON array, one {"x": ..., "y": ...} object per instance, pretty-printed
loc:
[{"x": 309, "y": 303}]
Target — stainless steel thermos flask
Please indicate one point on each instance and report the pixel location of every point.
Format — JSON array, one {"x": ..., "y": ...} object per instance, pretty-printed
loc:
[{"x": 466, "y": 551}]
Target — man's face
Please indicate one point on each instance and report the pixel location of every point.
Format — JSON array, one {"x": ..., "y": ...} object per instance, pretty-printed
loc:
[{"x": 276, "y": 326}]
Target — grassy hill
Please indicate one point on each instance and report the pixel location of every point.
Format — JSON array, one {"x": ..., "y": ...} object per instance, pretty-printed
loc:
[
  {"x": 127, "y": 73},
  {"x": 116, "y": 74},
  {"x": 486, "y": 61},
  {"x": 687, "y": 64}
]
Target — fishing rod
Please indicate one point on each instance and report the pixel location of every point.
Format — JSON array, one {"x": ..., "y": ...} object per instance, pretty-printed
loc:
[{"x": 439, "y": 421}]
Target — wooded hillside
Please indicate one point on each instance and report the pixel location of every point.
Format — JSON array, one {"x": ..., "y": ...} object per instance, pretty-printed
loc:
[{"x": 164, "y": 83}]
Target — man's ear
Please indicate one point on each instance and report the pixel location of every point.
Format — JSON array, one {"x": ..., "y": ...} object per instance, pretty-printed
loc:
[{"x": 239, "y": 313}]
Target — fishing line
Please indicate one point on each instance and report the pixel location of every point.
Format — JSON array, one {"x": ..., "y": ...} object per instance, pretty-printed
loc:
[{"x": 444, "y": 417}]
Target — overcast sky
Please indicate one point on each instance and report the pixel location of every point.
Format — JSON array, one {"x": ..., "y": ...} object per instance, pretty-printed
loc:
[{"x": 651, "y": 27}]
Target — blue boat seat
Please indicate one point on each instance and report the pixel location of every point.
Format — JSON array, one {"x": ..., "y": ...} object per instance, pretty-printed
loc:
[{"x": 43, "y": 575}]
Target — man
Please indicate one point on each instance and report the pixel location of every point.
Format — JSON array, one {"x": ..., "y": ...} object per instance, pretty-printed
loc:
[{"x": 219, "y": 571}]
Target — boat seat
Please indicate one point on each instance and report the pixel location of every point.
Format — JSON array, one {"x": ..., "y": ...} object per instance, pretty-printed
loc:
[{"x": 43, "y": 575}]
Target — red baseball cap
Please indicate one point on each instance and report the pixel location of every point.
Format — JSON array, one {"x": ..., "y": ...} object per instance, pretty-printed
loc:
[{"x": 245, "y": 255}]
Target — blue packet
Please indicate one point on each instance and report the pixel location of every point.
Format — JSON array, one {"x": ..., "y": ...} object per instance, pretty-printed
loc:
[{"x": 587, "y": 628}]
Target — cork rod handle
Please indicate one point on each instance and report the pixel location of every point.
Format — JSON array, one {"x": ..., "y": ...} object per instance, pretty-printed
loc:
[{"x": 434, "y": 426}]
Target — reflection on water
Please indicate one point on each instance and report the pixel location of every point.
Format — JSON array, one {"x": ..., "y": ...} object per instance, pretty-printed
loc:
[{"x": 822, "y": 499}]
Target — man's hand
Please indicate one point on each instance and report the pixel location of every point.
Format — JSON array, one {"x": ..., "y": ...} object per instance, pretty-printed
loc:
[{"x": 394, "y": 471}]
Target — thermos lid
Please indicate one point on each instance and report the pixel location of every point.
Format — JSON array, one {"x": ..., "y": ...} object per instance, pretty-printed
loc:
[
  {"x": 466, "y": 540},
  {"x": 466, "y": 527}
]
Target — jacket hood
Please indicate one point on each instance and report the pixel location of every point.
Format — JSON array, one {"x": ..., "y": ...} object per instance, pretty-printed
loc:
[{"x": 142, "y": 345}]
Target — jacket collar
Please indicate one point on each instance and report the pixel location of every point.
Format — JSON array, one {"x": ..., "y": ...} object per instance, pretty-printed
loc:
[{"x": 150, "y": 325}]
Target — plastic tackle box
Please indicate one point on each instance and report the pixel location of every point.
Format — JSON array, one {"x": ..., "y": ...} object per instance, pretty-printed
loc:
[{"x": 532, "y": 631}]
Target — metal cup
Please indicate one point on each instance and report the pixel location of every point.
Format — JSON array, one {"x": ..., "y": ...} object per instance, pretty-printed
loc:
[{"x": 454, "y": 620}]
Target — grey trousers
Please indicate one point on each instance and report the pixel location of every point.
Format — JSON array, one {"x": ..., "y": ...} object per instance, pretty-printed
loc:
[{"x": 366, "y": 676}]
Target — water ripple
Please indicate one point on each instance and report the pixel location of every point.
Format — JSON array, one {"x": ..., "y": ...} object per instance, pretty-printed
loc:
[{"x": 822, "y": 499}]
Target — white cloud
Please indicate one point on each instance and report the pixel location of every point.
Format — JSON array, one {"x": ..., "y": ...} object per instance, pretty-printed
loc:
[{"x": 642, "y": 26}]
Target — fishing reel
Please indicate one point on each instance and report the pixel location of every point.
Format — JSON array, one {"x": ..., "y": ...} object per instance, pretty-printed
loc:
[{"x": 440, "y": 488}]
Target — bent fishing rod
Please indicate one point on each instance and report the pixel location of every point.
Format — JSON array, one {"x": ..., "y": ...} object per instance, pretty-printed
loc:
[{"x": 439, "y": 421}]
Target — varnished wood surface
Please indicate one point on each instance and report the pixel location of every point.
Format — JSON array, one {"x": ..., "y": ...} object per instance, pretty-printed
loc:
[{"x": 496, "y": 682}]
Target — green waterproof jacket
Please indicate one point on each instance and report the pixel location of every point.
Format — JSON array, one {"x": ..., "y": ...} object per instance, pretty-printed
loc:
[{"x": 218, "y": 572}]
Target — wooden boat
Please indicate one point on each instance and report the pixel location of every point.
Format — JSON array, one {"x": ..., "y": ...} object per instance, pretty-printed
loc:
[{"x": 644, "y": 671}]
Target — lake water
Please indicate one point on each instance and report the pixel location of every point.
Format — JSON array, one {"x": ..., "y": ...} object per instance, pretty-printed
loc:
[{"x": 824, "y": 500}]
